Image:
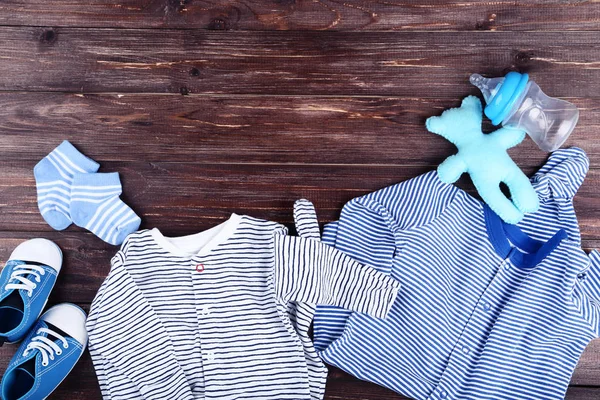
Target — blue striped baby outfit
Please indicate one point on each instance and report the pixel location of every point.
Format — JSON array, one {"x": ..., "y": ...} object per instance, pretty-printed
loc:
[
  {"x": 486, "y": 310},
  {"x": 204, "y": 316}
]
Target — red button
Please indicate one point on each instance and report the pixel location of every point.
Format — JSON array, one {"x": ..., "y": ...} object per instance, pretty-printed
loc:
[{"x": 200, "y": 267}]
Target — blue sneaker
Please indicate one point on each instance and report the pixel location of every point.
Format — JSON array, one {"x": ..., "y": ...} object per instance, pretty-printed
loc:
[
  {"x": 25, "y": 284},
  {"x": 47, "y": 354}
]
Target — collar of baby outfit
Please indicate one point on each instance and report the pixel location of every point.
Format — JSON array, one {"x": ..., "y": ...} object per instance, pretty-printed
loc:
[
  {"x": 511, "y": 243},
  {"x": 198, "y": 244}
]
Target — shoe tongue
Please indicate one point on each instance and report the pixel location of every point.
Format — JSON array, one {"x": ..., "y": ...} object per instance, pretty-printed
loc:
[
  {"x": 28, "y": 367},
  {"x": 13, "y": 301},
  {"x": 11, "y": 312},
  {"x": 57, "y": 330}
]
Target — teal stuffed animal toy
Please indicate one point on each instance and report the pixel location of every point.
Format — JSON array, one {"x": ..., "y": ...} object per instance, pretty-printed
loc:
[{"x": 485, "y": 158}]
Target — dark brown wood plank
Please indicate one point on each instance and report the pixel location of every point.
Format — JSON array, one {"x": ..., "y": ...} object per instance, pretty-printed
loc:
[
  {"x": 248, "y": 129},
  {"x": 87, "y": 261},
  {"x": 185, "y": 197},
  {"x": 419, "y": 65},
  {"x": 187, "y": 161},
  {"x": 306, "y": 15},
  {"x": 87, "y": 258},
  {"x": 81, "y": 384}
]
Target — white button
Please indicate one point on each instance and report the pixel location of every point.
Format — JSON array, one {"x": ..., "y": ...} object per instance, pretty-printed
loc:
[
  {"x": 487, "y": 306},
  {"x": 443, "y": 394},
  {"x": 506, "y": 265},
  {"x": 210, "y": 355},
  {"x": 205, "y": 310},
  {"x": 465, "y": 350}
]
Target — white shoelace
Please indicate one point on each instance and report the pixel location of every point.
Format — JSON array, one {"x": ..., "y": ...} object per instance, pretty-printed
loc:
[
  {"x": 46, "y": 346},
  {"x": 20, "y": 274}
]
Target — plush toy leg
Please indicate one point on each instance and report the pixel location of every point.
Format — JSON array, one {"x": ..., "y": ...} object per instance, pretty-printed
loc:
[
  {"x": 451, "y": 169},
  {"x": 490, "y": 193},
  {"x": 523, "y": 194}
]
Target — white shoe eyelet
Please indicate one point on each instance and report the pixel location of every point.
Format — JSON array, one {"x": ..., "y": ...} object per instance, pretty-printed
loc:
[
  {"x": 58, "y": 353},
  {"x": 43, "y": 272},
  {"x": 45, "y": 364},
  {"x": 66, "y": 346},
  {"x": 34, "y": 286},
  {"x": 29, "y": 293}
]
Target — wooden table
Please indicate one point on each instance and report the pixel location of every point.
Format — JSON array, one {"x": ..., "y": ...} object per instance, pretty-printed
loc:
[{"x": 209, "y": 107}]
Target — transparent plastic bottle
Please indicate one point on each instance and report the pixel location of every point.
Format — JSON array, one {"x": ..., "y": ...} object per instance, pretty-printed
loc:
[{"x": 517, "y": 102}]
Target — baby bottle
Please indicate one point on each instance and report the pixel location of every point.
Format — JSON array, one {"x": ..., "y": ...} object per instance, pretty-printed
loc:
[{"x": 517, "y": 102}]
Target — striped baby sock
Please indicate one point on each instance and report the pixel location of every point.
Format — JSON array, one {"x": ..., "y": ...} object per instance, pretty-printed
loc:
[
  {"x": 96, "y": 206},
  {"x": 53, "y": 178}
]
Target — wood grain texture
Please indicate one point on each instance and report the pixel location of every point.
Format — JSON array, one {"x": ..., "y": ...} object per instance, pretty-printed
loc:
[
  {"x": 206, "y": 107},
  {"x": 185, "y": 197},
  {"x": 244, "y": 129},
  {"x": 418, "y": 65},
  {"x": 87, "y": 263},
  {"x": 306, "y": 15}
]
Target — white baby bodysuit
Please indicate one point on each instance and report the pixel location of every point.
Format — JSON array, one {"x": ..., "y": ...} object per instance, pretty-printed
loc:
[{"x": 203, "y": 316}]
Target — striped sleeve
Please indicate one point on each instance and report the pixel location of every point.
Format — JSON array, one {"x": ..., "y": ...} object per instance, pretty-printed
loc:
[
  {"x": 368, "y": 227},
  {"x": 124, "y": 330},
  {"x": 365, "y": 236},
  {"x": 587, "y": 293},
  {"x": 366, "y": 231},
  {"x": 310, "y": 272},
  {"x": 330, "y": 321},
  {"x": 305, "y": 219}
]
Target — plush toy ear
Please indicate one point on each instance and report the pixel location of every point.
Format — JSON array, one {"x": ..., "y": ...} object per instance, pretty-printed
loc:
[
  {"x": 473, "y": 103},
  {"x": 435, "y": 125}
]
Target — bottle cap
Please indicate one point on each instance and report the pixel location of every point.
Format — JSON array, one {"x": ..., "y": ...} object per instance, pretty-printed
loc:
[{"x": 509, "y": 92}]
